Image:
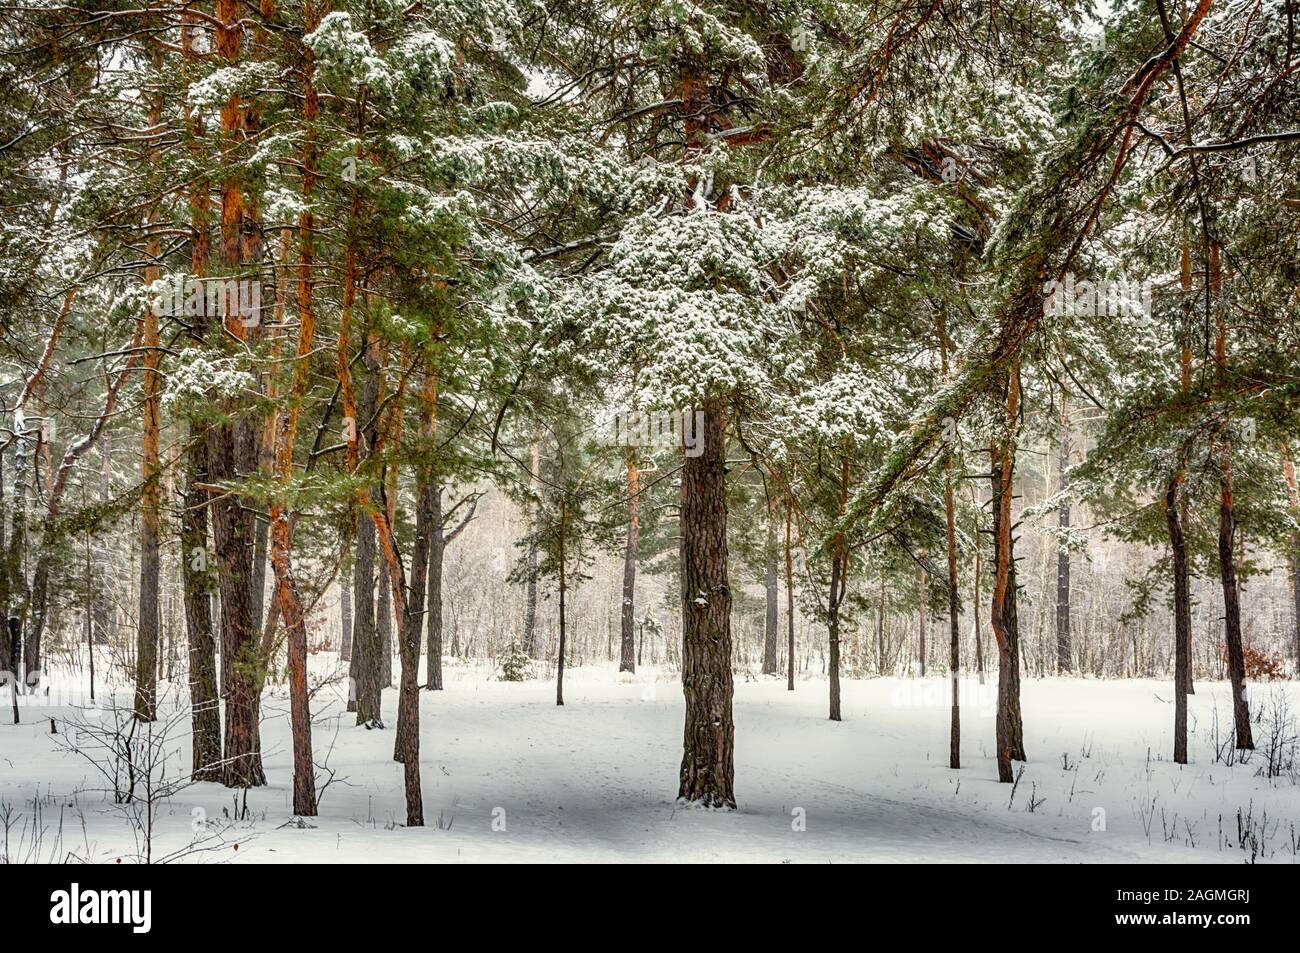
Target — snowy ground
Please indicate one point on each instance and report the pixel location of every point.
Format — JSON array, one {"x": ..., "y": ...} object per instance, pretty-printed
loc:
[{"x": 508, "y": 776}]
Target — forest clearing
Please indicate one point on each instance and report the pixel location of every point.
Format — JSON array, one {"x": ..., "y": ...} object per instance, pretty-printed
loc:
[{"x": 518, "y": 779}]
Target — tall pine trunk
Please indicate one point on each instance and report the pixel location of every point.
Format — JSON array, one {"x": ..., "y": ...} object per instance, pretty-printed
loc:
[
  {"x": 407, "y": 744},
  {"x": 1232, "y": 600},
  {"x": 409, "y": 603},
  {"x": 285, "y": 434},
  {"x": 833, "y": 633},
  {"x": 196, "y": 568},
  {"x": 1013, "y": 619},
  {"x": 241, "y": 661},
  {"x": 304, "y": 777},
  {"x": 409, "y": 599},
  {"x": 530, "y": 561},
  {"x": 103, "y": 623},
  {"x": 232, "y": 456},
  {"x": 954, "y": 617},
  {"x": 351, "y": 427},
  {"x": 23, "y": 641},
  {"x": 1293, "y": 499},
  {"x": 881, "y": 606},
  {"x": 1009, "y": 732},
  {"x": 976, "y": 583},
  {"x": 345, "y": 620},
  {"x": 772, "y": 597},
  {"x": 839, "y": 585},
  {"x": 1063, "y": 656},
  {"x": 708, "y": 741},
  {"x": 563, "y": 640},
  {"x": 384, "y": 624},
  {"x": 261, "y": 555},
  {"x": 24, "y": 660},
  {"x": 954, "y": 621},
  {"x": 1185, "y": 386},
  {"x": 627, "y": 651},
  {"x": 205, "y": 705},
  {"x": 433, "y": 595},
  {"x": 1182, "y": 616},
  {"x": 265, "y": 452},
  {"x": 1001, "y": 585},
  {"x": 789, "y": 595},
  {"x": 364, "y": 671},
  {"x": 1227, "y": 530},
  {"x": 147, "y": 632},
  {"x": 390, "y": 626},
  {"x": 921, "y": 589},
  {"x": 9, "y": 647}
]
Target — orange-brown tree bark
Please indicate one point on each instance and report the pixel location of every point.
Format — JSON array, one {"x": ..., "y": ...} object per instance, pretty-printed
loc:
[
  {"x": 232, "y": 454},
  {"x": 286, "y": 430}
]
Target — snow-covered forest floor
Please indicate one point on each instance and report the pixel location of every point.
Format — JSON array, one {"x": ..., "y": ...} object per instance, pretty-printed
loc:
[{"x": 508, "y": 776}]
